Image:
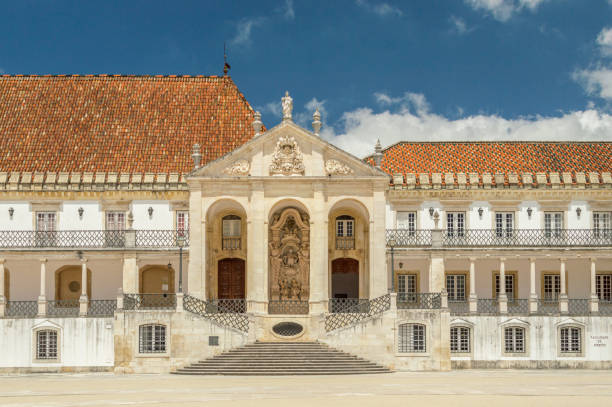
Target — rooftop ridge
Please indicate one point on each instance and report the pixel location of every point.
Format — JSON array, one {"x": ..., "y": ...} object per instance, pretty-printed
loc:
[{"x": 104, "y": 75}]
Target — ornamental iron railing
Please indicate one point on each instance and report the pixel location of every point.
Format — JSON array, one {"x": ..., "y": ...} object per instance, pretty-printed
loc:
[
  {"x": 21, "y": 309},
  {"x": 419, "y": 301},
  {"x": 548, "y": 306},
  {"x": 237, "y": 306},
  {"x": 63, "y": 308},
  {"x": 110, "y": 239},
  {"x": 578, "y": 306},
  {"x": 288, "y": 307},
  {"x": 344, "y": 304},
  {"x": 518, "y": 306},
  {"x": 231, "y": 243},
  {"x": 355, "y": 314},
  {"x": 134, "y": 302},
  {"x": 345, "y": 243},
  {"x": 605, "y": 307},
  {"x": 101, "y": 308},
  {"x": 208, "y": 310},
  {"x": 408, "y": 238},
  {"x": 459, "y": 307},
  {"x": 487, "y": 306}
]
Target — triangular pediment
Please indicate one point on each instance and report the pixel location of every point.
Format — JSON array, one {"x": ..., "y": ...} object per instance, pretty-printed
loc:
[{"x": 288, "y": 150}]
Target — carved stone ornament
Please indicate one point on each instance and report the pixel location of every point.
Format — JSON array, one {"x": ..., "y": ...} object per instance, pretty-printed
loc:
[
  {"x": 239, "y": 168},
  {"x": 335, "y": 167},
  {"x": 287, "y": 158}
]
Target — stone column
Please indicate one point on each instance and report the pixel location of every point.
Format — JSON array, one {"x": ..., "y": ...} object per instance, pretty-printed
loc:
[
  {"x": 594, "y": 302},
  {"x": 196, "y": 267},
  {"x": 473, "y": 296},
  {"x": 257, "y": 252},
  {"x": 42, "y": 298},
  {"x": 83, "y": 300},
  {"x": 502, "y": 298},
  {"x": 130, "y": 274},
  {"x": 2, "y": 283},
  {"x": 319, "y": 273},
  {"x": 533, "y": 297},
  {"x": 378, "y": 245},
  {"x": 563, "y": 302},
  {"x": 436, "y": 273}
]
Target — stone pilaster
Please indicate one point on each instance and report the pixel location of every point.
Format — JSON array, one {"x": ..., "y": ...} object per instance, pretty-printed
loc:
[
  {"x": 196, "y": 268},
  {"x": 319, "y": 273},
  {"x": 42, "y": 298},
  {"x": 83, "y": 299},
  {"x": 257, "y": 252}
]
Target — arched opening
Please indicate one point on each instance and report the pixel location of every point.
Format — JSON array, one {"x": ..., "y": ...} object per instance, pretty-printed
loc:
[
  {"x": 68, "y": 284},
  {"x": 156, "y": 279}
]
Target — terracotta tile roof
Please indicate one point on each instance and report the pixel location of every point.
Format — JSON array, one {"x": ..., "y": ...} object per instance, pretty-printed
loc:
[
  {"x": 114, "y": 123},
  {"x": 496, "y": 157}
]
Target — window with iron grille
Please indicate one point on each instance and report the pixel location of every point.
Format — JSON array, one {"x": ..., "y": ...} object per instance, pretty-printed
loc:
[
  {"x": 152, "y": 338},
  {"x": 455, "y": 224},
  {"x": 603, "y": 286},
  {"x": 602, "y": 224},
  {"x": 510, "y": 284},
  {"x": 514, "y": 339},
  {"x": 411, "y": 338},
  {"x": 46, "y": 344},
  {"x": 182, "y": 222},
  {"x": 553, "y": 224},
  {"x": 552, "y": 286},
  {"x": 407, "y": 221},
  {"x": 455, "y": 286},
  {"x": 115, "y": 220},
  {"x": 504, "y": 224},
  {"x": 571, "y": 340},
  {"x": 406, "y": 287},
  {"x": 460, "y": 339}
]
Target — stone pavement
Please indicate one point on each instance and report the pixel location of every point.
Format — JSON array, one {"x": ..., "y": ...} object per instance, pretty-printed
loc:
[{"x": 498, "y": 388}]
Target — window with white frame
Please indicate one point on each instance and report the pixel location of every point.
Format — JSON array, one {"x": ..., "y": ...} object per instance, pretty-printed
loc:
[
  {"x": 455, "y": 286},
  {"x": 552, "y": 286},
  {"x": 406, "y": 287},
  {"x": 603, "y": 286},
  {"x": 344, "y": 226},
  {"x": 510, "y": 286},
  {"x": 45, "y": 221},
  {"x": 455, "y": 224},
  {"x": 115, "y": 220},
  {"x": 46, "y": 344},
  {"x": 460, "y": 339},
  {"x": 407, "y": 221},
  {"x": 602, "y": 224},
  {"x": 152, "y": 338},
  {"x": 571, "y": 339},
  {"x": 411, "y": 338},
  {"x": 514, "y": 339},
  {"x": 553, "y": 224},
  {"x": 182, "y": 222},
  {"x": 231, "y": 239},
  {"x": 504, "y": 224}
]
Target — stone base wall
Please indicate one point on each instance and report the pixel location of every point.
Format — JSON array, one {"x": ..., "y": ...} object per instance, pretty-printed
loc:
[{"x": 531, "y": 364}]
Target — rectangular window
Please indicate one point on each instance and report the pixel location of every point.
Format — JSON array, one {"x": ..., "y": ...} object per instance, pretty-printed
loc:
[
  {"x": 46, "y": 344},
  {"x": 407, "y": 221},
  {"x": 553, "y": 224},
  {"x": 344, "y": 227},
  {"x": 231, "y": 227},
  {"x": 406, "y": 287},
  {"x": 455, "y": 224},
  {"x": 552, "y": 286},
  {"x": 570, "y": 340},
  {"x": 455, "y": 286},
  {"x": 152, "y": 339},
  {"x": 603, "y": 286},
  {"x": 504, "y": 224},
  {"x": 182, "y": 222},
  {"x": 460, "y": 339},
  {"x": 510, "y": 286},
  {"x": 45, "y": 221},
  {"x": 514, "y": 340},
  {"x": 115, "y": 220},
  {"x": 411, "y": 338},
  {"x": 602, "y": 224}
]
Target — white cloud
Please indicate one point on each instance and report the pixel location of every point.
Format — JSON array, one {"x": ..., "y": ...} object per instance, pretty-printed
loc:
[
  {"x": 596, "y": 82},
  {"x": 503, "y": 10},
  {"x": 409, "y": 101},
  {"x": 604, "y": 40},
  {"x": 459, "y": 25},
  {"x": 273, "y": 108},
  {"x": 244, "y": 29},
  {"x": 381, "y": 9},
  {"x": 362, "y": 127},
  {"x": 288, "y": 11}
]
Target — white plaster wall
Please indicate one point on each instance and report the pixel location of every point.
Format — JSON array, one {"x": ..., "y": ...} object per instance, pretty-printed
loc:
[
  {"x": 522, "y": 217},
  {"x": 84, "y": 342},
  {"x": 162, "y": 218},
  {"x": 93, "y": 218},
  {"x": 475, "y": 221},
  {"x": 22, "y": 217},
  {"x": 573, "y": 221}
]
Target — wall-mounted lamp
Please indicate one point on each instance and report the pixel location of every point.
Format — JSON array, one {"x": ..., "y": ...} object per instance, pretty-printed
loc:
[
  {"x": 11, "y": 212},
  {"x": 529, "y": 212},
  {"x": 401, "y": 265},
  {"x": 431, "y": 211},
  {"x": 81, "y": 210},
  {"x": 150, "y": 210},
  {"x": 480, "y": 211},
  {"x": 578, "y": 211}
]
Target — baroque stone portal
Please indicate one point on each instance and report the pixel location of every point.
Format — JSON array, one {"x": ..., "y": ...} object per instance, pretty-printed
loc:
[{"x": 289, "y": 251}]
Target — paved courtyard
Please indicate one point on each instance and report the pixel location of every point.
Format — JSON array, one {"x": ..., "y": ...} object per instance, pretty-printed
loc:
[{"x": 458, "y": 388}]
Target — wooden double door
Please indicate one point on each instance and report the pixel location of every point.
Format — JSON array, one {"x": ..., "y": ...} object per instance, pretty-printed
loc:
[
  {"x": 231, "y": 279},
  {"x": 345, "y": 278}
]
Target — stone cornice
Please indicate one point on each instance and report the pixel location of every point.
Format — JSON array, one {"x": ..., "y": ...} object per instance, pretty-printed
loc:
[{"x": 599, "y": 194}]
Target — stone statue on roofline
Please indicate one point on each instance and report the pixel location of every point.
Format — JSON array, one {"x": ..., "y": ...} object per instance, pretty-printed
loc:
[{"x": 287, "y": 104}]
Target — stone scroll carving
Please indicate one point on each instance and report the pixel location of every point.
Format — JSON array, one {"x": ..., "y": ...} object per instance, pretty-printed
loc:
[
  {"x": 335, "y": 167},
  {"x": 289, "y": 252},
  {"x": 239, "y": 168},
  {"x": 287, "y": 158}
]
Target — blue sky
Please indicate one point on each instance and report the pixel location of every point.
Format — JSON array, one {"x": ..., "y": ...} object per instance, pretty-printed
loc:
[{"x": 394, "y": 70}]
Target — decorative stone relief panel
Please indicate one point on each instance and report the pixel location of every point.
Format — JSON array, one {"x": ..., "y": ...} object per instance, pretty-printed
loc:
[
  {"x": 287, "y": 158},
  {"x": 239, "y": 168},
  {"x": 335, "y": 167}
]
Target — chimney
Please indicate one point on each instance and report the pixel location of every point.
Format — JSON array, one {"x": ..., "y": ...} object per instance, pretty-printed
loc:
[
  {"x": 377, "y": 154},
  {"x": 196, "y": 156}
]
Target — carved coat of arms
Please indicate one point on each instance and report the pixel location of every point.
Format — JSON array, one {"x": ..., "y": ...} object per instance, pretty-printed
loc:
[
  {"x": 287, "y": 158},
  {"x": 239, "y": 168},
  {"x": 335, "y": 167}
]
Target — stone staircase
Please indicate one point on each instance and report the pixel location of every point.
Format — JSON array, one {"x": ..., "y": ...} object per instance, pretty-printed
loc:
[{"x": 283, "y": 359}]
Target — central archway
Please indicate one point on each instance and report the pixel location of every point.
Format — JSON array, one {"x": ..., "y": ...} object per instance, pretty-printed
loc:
[{"x": 231, "y": 279}]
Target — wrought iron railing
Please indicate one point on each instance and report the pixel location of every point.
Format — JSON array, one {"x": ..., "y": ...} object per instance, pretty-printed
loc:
[
  {"x": 605, "y": 307},
  {"x": 419, "y": 301},
  {"x": 112, "y": 239},
  {"x": 289, "y": 307},
  {"x": 548, "y": 306},
  {"x": 408, "y": 238},
  {"x": 487, "y": 306},
  {"x": 459, "y": 307},
  {"x": 101, "y": 308},
  {"x": 63, "y": 308},
  {"x": 149, "y": 301},
  {"x": 354, "y": 315},
  {"x": 518, "y": 306},
  {"x": 228, "y": 305},
  {"x": 578, "y": 306},
  {"x": 21, "y": 309},
  {"x": 345, "y": 243},
  {"x": 344, "y": 304},
  {"x": 207, "y": 310},
  {"x": 231, "y": 243}
]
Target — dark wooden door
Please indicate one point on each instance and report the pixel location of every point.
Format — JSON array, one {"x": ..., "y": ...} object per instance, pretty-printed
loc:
[
  {"x": 231, "y": 279},
  {"x": 345, "y": 278}
]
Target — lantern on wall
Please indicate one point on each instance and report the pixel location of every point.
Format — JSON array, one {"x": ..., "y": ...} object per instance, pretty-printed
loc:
[
  {"x": 529, "y": 212},
  {"x": 150, "y": 210},
  {"x": 11, "y": 212},
  {"x": 81, "y": 210}
]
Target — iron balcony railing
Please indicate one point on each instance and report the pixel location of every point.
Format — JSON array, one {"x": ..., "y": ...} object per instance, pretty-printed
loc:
[
  {"x": 101, "y": 308},
  {"x": 231, "y": 243},
  {"x": 345, "y": 243},
  {"x": 605, "y": 307},
  {"x": 226, "y": 305},
  {"x": 398, "y": 238},
  {"x": 357, "y": 313},
  {"x": 289, "y": 307},
  {"x": 223, "y": 316},
  {"x": 135, "y": 302},
  {"x": 63, "y": 308},
  {"x": 21, "y": 309},
  {"x": 345, "y": 304},
  {"x": 111, "y": 239},
  {"x": 419, "y": 301}
]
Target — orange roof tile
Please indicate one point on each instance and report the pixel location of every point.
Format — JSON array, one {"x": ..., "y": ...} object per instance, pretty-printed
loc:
[{"x": 118, "y": 123}]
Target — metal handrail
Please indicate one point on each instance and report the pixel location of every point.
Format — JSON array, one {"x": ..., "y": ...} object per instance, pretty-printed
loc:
[
  {"x": 419, "y": 301},
  {"x": 225, "y": 317},
  {"x": 134, "y": 302},
  {"x": 358, "y": 313}
]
